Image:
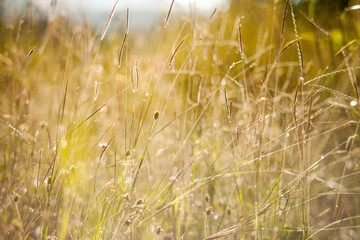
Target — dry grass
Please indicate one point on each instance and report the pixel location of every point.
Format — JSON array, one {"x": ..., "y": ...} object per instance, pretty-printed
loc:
[{"x": 226, "y": 126}]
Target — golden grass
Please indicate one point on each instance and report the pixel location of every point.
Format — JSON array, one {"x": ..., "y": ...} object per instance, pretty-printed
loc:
[{"x": 238, "y": 125}]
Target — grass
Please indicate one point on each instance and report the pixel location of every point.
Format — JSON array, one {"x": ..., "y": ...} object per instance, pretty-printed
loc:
[{"x": 242, "y": 124}]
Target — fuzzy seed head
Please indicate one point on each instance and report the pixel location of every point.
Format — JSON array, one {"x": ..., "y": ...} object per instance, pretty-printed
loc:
[
  {"x": 128, "y": 222},
  {"x": 139, "y": 201},
  {"x": 16, "y": 197},
  {"x": 228, "y": 211},
  {"x": 126, "y": 196},
  {"x": 72, "y": 169},
  {"x": 127, "y": 153},
  {"x": 207, "y": 197},
  {"x": 49, "y": 180},
  {"x": 156, "y": 115},
  {"x": 209, "y": 211},
  {"x": 158, "y": 230}
]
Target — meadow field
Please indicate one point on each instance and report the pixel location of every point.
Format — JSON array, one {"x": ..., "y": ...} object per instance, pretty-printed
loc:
[{"x": 238, "y": 123}]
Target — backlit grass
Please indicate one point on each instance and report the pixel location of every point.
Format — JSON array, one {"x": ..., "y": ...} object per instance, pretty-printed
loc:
[{"x": 240, "y": 124}]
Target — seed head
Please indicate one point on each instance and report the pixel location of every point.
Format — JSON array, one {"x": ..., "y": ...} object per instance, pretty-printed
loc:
[
  {"x": 209, "y": 211},
  {"x": 49, "y": 180},
  {"x": 72, "y": 169},
  {"x": 43, "y": 124},
  {"x": 207, "y": 197},
  {"x": 158, "y": 230},
  {"x": 102, "y": 145},
  {"x": 128, "y": 222},
  {"x": 139, "y": 201},
  {"x": 16, "y": 197},
  {"x": 127, "y": 153},
  {"x": 126, "y": 196},
  {"x": 156, "y": 115},
  {"x": 228, "y": 211}
]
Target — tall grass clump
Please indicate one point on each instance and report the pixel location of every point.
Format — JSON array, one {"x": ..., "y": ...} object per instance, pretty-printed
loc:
[{"x": 239, "y": 123}]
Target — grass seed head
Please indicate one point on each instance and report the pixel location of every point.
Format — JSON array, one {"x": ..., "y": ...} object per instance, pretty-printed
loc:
[
  {"x": 16, "y": 197},
  {"x": 207, "y": 197},
  {"x": 43, "y": 124},
  {"x": 128, "y": 222},
  {"x": 228, "y": 211},
  {"x": 139, "y": 201},
  {"x": 72, "y": 168},
  {"x": 49, "y": 180},
  {"x": 209, "y": 211},
  {"x": 156, "y": 115},
  {"x": 158, "y": 230},
  {"x": 127, "y": 153}
]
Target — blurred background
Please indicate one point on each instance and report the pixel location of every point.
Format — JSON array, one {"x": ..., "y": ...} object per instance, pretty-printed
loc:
[
  {"x": 149, "y": 13},
  {"x": 144, "y": 13}
]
